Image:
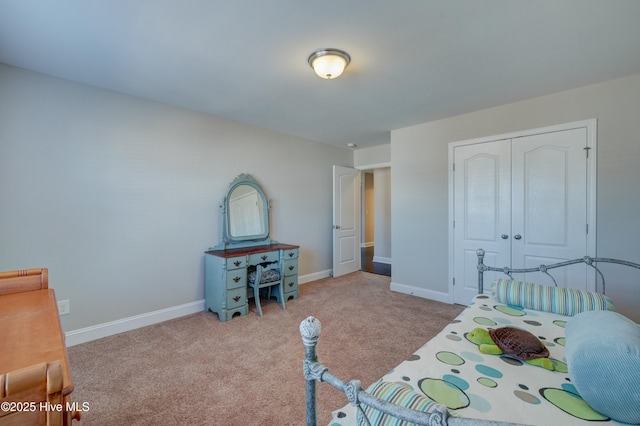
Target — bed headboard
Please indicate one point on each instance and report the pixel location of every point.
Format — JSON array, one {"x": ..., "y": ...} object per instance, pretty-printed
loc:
[{"x": 590, "y": 261}]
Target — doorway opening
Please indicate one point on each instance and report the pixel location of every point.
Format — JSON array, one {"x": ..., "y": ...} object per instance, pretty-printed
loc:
[
  {"x": 375, "y": 244},
  {"x": 368, "y": 265}
]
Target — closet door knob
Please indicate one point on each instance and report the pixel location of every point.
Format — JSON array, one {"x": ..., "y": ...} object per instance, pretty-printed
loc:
[
  {"x": 336, "y": 226},
  {"x": 517, "y": 236},
  {"x": 504, "y": 236}
]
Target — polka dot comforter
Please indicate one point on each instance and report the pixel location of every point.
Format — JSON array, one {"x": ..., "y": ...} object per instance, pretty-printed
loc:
[{"x": 450, "y": 370}]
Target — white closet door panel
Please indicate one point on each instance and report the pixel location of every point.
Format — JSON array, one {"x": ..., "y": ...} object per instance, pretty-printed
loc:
[
  {"x": 481, "y": 211},
  {"x": 544, "y": 192},
  {"x": 549, "y": 201},
  {"x": 482, "y": 197}
]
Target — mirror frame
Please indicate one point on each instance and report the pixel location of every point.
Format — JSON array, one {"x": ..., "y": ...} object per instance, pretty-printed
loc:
[{"x": 263, "y": 238}]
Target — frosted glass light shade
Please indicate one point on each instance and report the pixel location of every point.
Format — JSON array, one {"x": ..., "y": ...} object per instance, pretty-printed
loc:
[{"x": 329, "y": 63}]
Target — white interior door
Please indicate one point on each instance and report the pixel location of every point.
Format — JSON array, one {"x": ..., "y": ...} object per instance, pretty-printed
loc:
[
  {"x": 549, "y": 203},
  {"x": 346, "y": 220},
  {"x": 482, "y": 213}
]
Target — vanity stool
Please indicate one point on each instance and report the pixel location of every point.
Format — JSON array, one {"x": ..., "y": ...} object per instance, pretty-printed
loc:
[{"x": 266, "y": 276}]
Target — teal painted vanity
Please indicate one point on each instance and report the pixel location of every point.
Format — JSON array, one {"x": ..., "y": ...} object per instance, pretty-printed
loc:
[
  {"x": 247, "y": 262},
  {"x": 226, "y": 273}
]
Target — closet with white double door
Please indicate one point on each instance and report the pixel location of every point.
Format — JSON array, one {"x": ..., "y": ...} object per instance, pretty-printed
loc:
[{"x": 527, "y": 199}]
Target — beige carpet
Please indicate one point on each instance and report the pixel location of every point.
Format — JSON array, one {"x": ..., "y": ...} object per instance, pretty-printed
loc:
[{"x": 196, "y": 370}]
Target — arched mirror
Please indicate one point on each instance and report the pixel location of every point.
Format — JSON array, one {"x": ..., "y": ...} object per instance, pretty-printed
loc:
[{"x": 245, "y": 212}]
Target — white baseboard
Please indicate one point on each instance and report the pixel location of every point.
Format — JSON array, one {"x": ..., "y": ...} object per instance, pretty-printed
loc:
[
  {"x": 438, "y": 296},
  {"x": 315, "y": 276},
  {"x": 87, "y": 334},
  {"x": 380, "y": 259}
]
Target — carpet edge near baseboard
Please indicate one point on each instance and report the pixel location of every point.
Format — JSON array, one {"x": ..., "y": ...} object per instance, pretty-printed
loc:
[{"x": 98, "y": 331}]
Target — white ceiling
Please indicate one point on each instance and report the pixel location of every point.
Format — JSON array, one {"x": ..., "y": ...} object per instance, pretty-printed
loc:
[{"x": 413, "y": 61}]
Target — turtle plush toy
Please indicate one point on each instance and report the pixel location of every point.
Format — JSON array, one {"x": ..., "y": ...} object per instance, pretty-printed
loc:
[{"x": 514, "y": 342}]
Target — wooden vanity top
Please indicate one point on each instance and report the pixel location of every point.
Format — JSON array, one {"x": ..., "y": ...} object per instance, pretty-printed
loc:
[{"x": 243, "y": 251}]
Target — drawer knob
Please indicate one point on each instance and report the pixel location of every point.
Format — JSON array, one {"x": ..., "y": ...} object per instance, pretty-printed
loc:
[
  {"x": 264, "y": 257},
  {"x": 236, "y": 279},
  {"x": 237, "y": 263},
  {"x": 290, "y": 254},
  {"x": 291, "y": 267},
  {"x": 235, "y": 299},
  {"x": 290, "y": 284}
]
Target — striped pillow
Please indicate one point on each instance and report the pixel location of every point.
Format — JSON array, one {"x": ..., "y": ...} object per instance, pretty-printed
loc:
[
  {"x": 559, "y": 300},
  {"x": 398, "y": 394}
]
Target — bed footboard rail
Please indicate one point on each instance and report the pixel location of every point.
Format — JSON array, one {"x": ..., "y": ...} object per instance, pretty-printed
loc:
[
  {"x": 315, "y": 371},
  {"x": 587, "y": 260}
]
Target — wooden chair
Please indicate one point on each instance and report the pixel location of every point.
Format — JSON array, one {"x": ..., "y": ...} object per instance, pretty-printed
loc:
[
  {"x": 24, "y": 280},
  {"x": 32, "y": 390},
  {"x": 267, "y": 276}
]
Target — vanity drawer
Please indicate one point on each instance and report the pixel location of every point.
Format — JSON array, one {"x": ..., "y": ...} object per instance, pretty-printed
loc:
[
  {"x": 236, "y": 278},
  {"x": 236, "y": 262},
  {"x": 267, "y": 256},
  {"x": 290, "y": 284},
  {"x": 291, "y": 267},
  {"x": 291, "y": 254},
  {"x": 236, "y": 297}
]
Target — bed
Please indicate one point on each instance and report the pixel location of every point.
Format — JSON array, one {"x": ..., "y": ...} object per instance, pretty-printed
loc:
[{"x": 594, "y": 353}]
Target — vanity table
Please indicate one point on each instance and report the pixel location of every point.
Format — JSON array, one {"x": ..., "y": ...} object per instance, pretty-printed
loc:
[
  {"x": 226, "y": 276},
  {"x": 246, "y": 245}
]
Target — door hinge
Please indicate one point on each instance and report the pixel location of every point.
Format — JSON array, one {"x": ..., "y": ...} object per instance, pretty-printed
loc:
[
  {"x": 586, "y": 150},
  {"x": 587, "y": 228},
  {"x": 454, "y": 281}
]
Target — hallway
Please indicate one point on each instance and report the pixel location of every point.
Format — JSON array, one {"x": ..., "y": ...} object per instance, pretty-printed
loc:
[{"x": 368, "y": 265}]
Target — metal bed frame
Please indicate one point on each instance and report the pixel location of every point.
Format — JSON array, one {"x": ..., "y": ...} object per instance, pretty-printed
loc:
[
  {"x": 314, "y": 370},
  {"x": 587, "y": 260}
]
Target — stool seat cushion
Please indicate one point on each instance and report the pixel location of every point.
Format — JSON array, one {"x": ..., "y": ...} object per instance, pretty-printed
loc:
[{"x": 269, "y": 276}]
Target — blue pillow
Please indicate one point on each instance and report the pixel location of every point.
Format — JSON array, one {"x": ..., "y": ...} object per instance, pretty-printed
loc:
[
  {"x": 398, "y": 394},
  {"x": 603, "y": 357},
  {"x": 559, "y": 300}
]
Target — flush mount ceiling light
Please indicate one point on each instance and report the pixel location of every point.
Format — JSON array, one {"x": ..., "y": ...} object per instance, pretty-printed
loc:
[{"x": 329, "y": 63}]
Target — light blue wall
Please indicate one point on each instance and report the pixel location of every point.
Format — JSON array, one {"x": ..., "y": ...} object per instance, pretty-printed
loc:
[{"x": 119, "y": 196}]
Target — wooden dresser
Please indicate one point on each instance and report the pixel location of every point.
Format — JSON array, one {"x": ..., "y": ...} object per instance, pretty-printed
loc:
[
  {"x": 32, "y": 340},
  {"x": 226, "y": 273}
]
